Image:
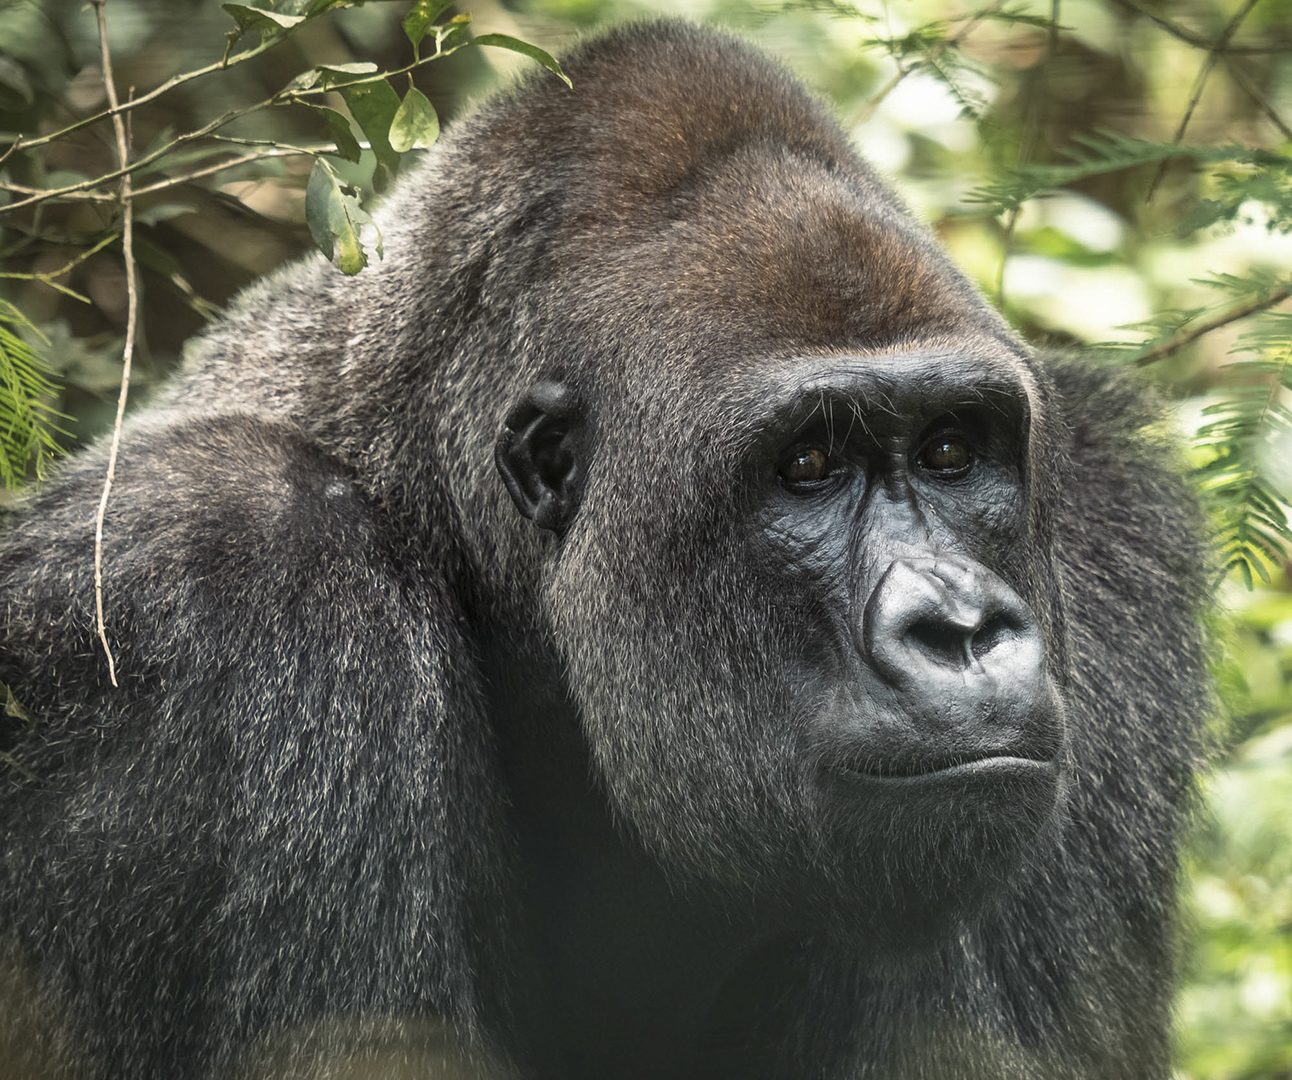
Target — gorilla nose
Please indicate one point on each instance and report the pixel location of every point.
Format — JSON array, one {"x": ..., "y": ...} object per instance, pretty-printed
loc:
[
  {"x": 963, "y": 655},
  {"x": 940, "y": 616}
]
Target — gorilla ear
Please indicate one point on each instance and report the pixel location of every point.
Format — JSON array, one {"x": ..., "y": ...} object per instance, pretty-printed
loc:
[{"x": 538, "y": 455}]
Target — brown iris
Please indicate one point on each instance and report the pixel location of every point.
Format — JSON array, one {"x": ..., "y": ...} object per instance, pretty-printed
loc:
[
  {"x": 947, "y": 453},
  {"x": 805, "y": 465}
]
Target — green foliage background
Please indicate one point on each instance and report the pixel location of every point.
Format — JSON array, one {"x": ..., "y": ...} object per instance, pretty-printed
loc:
[{"x": 1102, "y": 169}]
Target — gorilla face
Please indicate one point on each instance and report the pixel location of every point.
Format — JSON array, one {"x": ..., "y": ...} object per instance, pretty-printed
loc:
[
  {"x": 797, "y": 585},
  {"x": 894, "y": 513}
]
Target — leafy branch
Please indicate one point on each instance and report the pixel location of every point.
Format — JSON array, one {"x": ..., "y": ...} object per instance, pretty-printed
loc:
[
  {"x": 932, "y": 47},
  {"x": 1194, "y": 328},
  {"x": 372, "y": 102},
  {"x": 1199, "y": 84},
  {"x": 389, "y": 124},
  {"x": 1247, "y": 425}
]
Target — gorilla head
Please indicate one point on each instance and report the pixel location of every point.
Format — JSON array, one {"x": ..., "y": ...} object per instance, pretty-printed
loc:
[{"x": 795, "y": 562}]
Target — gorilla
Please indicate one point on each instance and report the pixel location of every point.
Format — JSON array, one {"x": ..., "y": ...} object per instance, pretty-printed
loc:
[{"x": 659, "y": 622}]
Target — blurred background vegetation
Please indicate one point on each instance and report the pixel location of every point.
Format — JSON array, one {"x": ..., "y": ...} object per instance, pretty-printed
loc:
[{"x": 1116, "y": 173}]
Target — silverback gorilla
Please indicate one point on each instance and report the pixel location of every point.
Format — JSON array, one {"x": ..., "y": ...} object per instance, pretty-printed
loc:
[{"x": 657, "y": 623}]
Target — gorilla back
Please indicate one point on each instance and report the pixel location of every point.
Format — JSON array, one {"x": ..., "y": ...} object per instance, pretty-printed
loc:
[{"x": 658, "y": 622}]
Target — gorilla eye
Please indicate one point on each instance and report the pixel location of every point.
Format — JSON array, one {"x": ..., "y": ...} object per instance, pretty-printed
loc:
[
  {"x": 947, "y": 455},
  {"x": 804, "y": 466}
]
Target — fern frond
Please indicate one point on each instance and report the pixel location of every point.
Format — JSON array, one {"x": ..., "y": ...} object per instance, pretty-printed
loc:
[
  {"x": 1252, "y": 517},
  {"x": 1162, "y": 325},
  {"x": 29, "y": 427},
  {"x": 1109, "y": 152},
  {"x": 1257, "y": 281}
]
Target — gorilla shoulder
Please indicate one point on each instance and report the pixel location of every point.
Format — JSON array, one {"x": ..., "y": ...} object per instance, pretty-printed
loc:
[{"x": 220, "y": 529}]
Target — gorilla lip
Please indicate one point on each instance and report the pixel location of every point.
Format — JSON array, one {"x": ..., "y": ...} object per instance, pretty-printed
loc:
[{"x": 969, "y": 768}]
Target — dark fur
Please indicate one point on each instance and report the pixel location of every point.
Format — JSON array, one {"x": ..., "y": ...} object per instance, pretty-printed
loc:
[{"x": 344, "y": 778}]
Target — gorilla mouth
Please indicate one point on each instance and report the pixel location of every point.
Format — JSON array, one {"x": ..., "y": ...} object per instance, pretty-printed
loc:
[{"x": 947, "y": 767}]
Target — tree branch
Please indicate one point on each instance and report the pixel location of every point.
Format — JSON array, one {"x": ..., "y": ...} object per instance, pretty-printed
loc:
[
  {"x": 114, "y": 110},
  {"x": 1197, "y": 40},
  {"x": 282, "y": 97},
  {"x": 220, "y": 166},
  {"x": 27, "y": 189},
  {"x": 1031, "y": 126},
  {"x": 1190, "y": 334},
  {"x": 50, "y": 277},
  {"x": 1195, "y": 95},
  {"x": 1248, "y": 87},
  {"x": 147, "y": 159},
  {"x": 272, "y": 150}
]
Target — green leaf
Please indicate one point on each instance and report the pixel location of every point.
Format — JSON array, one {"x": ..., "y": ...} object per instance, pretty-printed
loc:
[
  {"x": 415, "y": 124},
  {"x": 336, "y": 75},
  {"x": 1246, "y": 570},
  {"x": 335, "y": 218},
  {"x": 506, "y": 41},
  {"x": 313, "y": 8},
  {"x": 338, "y": 127},
  {"x": 16, "y": 93},
  {"x": 421, "y": 16},
  {"x": 268, "y": 23},
  {"x": 13, "y": 707},
  {"x": 306, "y": 80},
  {"x": 373, "y": 105},
  {"x": 156, "y": 214}
]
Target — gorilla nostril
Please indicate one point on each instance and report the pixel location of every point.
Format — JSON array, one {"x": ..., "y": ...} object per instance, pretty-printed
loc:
[
  {"x": 994, "y": 631},
  {"x": 941, "y": 640}
]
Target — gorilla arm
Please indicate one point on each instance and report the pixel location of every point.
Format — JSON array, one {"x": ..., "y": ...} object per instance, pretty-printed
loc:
[{"x": 262, "y": 803}]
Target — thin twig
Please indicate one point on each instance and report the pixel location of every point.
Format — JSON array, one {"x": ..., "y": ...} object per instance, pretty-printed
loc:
[
  {"x": 1195, "y": 95},
  {"x": 280, "y": 98},
  {"x": 138, "y": 163},
  {"x": 114, "y": 110},
  {"x": 288, "y": 97},
  {"x": 1244, "y": 82},
  {"x": 50, "y": 277},
  {"x": 83, "y": 196},
  {"x": 1027, "y": 142},
  {"x": 1189, "y": 335},
  {"x": 259, "y": 155},
  {"x": 1006, "y": 243},
  {"x": 869, "y": 106},
  {"x": 1228, "y": 51},
  {"x": 272, "y": 150},
  {"x": 238, "y": 140},
  {"x": 1197, "y": 40},
  {"x": 132, "y": 314}
]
